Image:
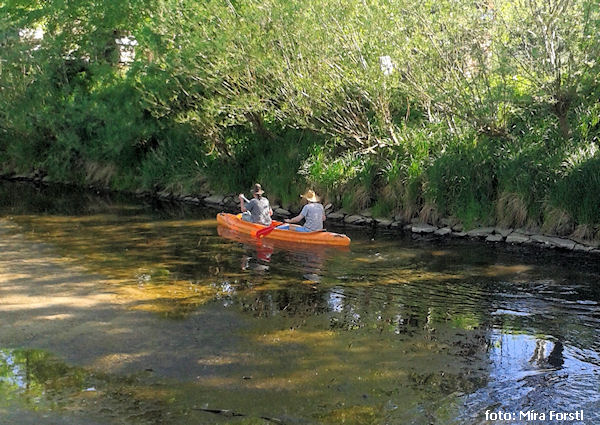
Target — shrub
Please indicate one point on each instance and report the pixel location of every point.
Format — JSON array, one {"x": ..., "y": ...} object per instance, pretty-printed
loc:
[
  {"x": 578, "y": 192},
  {"x": 175, "y": 164},
  {"x": 274, "y": 162},
  {"x": 463, "y": 182},
  {"x": 525, "y": 174}
]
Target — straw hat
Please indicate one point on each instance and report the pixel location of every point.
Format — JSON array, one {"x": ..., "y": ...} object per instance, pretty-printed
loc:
[
  {"x": 310, "y": 196},
  {"x": 257, "y": 189}
]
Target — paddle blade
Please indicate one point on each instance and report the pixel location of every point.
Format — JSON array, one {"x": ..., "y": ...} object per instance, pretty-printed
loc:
[{"x": 264, "y": 232}]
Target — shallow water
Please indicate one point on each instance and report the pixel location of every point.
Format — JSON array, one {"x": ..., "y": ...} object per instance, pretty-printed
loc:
[{"x": 116, "y": 310}]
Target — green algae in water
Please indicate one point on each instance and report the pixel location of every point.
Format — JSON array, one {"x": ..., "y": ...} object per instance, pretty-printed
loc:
[{"x": 37, "y": 381}]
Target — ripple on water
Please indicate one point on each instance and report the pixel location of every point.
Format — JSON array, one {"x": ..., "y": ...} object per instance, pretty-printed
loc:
[{"x": 536, "y": 373}]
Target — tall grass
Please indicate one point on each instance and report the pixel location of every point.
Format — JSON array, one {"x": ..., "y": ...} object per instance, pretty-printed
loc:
[
  {"x": 273, "y": 162},
  {"x": 525, "y": 177},
  {"x": 463, "y": 182},
  {"x": 176, "y": 164},
  {"x": 344, "y": 179},
  {"x": 578, "y": 191}
]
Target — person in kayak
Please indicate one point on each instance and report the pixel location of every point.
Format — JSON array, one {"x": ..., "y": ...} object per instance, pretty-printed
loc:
[
  {"x": 313, "y": 213},
  {"x": 257, "y": 210}
]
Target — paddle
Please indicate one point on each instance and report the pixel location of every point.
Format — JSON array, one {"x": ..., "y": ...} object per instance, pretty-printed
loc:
[{"x": 264, "y": 232}]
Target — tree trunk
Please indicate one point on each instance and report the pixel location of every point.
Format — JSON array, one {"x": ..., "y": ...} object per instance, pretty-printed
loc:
[
  {"x": 561, "y": 110},
  {"x": 259, "y": 126}
]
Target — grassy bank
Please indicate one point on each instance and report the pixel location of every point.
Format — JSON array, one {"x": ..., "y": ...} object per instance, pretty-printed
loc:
[{"x": 448, "y": 109}]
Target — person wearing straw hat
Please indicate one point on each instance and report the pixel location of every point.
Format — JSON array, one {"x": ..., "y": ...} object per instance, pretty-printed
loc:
[
  {"x": 313, "y": 213},
  {"x": 258, "y": 209}
]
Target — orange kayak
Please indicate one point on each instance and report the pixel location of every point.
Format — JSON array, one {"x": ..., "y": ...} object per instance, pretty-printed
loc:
[{"x": 234, "y": 222}]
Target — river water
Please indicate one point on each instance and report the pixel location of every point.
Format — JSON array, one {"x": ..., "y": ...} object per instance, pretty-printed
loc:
[{"x": 117, "y": 310}]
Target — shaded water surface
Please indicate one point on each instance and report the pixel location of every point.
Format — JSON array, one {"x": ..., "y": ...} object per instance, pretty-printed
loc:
[{"x": 124, "y": 311}]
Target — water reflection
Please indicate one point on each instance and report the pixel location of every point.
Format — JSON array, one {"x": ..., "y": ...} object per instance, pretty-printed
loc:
[
  {"x": 37, "y": 380},
  {"x": 537, "y": 373},
  {"x": 392, "y": 330},
  {"x": 308, "y": 259}
]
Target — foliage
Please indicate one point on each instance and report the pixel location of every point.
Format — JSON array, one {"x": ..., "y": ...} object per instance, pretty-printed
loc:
[
  {"x": 463, "y": 182},
  {"x": 578, "y": 191},
  {"x": 274, "y": 164},
  {"x": 454, "y": 106}
]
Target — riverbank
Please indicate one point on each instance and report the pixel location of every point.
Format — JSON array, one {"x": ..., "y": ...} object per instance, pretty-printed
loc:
[
  {"x": 448, "y": 227},
  {"x": 391, "y": 130},
  {"x": 442, "y": 228}
]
